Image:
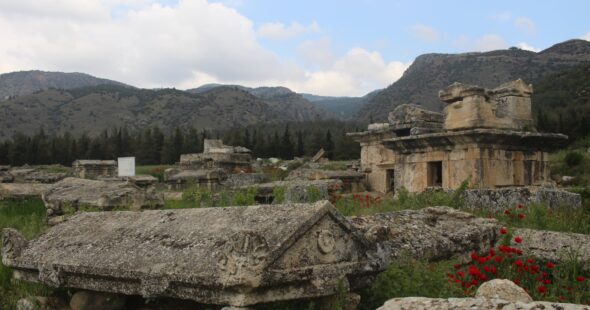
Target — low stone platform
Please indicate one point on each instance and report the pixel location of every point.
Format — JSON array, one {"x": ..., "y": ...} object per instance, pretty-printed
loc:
[
  {"x": 434, "y": 233},
  {"x": 553, "y": 246},
  {"x": 22, "y": 190}
]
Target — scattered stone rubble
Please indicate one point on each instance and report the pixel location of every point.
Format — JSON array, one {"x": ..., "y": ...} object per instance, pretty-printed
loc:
[
  {"x": 502, "y": 198},
  {"x": 299, "y": 190},
  {"x": 179, "y": 179},
  {"x": 434, "y": 233},
  {"x": 72, "y": 194},
  {"x": 494, "y": 294},
  {"x": 554, "y": 246},
  {"x": 5, "y": 176},
  {"x": 236, "y": 256}
]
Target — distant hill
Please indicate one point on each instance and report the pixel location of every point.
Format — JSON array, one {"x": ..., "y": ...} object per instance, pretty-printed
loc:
[
  {"x": 22, "y": 83},
  {"x": 281, "y": 98},
  {"x": 562, "y": 102},
  {"x": 93, "y": 109},
  {"x": 343, "y": 107},
  {"x": 431, "y": 72}
]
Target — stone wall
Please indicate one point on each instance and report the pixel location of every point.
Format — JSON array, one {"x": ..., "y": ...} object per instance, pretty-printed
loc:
[{"x": 502, "y": 198}]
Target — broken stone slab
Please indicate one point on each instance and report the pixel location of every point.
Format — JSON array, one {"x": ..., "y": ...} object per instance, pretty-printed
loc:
[
  {"x": 411, "y": 115},
  {"x": 236, "y": 256},
  {"x": 92, "y": 168},
  {"x": 434, "y": 233},
  {"x": 179, "y": 179},
  {"x": 410, "y": 303},
  {"x": 318, "y": 156},
  {"x": 22, "y": 190},
  {"x": 72, "y": 194},
  {"x": 353, "y": 181},
  {"x": 498, "y": 199},
  {"x": 553, "y": 246}
]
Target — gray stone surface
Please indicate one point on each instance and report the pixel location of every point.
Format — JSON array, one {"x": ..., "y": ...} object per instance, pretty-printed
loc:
[
  {"x": 22, "y": 190},
  {"x": 411, "y": 115},
  {"x": 5, "y": 176},
  {"x": 72, "y": 194},
  {"x": 503, "y": 289},
  {"x": 235, "y": 256},
  {"x": 503, "y": 198},
  {"x": 434, "y": 233},
  {"x": 424, "y": 303},
  {"x": 553, "y": 246},
  {"x": 44, "y": 176},
  {"x": 41, "y": 303}
]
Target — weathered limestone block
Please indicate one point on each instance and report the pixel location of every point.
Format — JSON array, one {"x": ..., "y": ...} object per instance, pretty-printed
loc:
[
  {"x": 378, "y": 126},
  {"x": 508, "y": 197},
  {"x": 22, "y": 190},
  {"x": 424, "y": 303},
  {"x": 92, "y": 169},
  {"x": 553, "y": 246},
  {"x": 411, "y": 115},
  {"x": 236, "y": 256},
  {"x": 73, "y": 194},
  {"x": 503, "y": 289},
  {"x": 434, "y": 233}
]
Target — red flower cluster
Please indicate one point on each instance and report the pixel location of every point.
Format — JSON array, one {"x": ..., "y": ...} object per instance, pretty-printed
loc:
[
  {"x": 509, "y": 262},
  {"x": 366, "y": 201}
]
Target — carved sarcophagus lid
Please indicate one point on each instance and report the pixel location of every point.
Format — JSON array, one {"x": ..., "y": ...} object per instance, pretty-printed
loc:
[{"x": 231, "y": 256}]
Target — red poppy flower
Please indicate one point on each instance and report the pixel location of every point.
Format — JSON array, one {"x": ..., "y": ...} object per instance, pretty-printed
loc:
[
  {"x": 461, "y": 274},
  {"x": 503, "y": 230},
  {"x": 530, "y": 260},
  {"x": 542, "y": 289},
  {"x": 498, "y": 259},
  {"x": 580, "y": 279},
  {"x": 517, "y": 239},
  {"x": 507, "y": 212},
  {"x": 520, "y": 206},
  {"x": 546, "y": 281},
  {"x": 518, "y": 263},
  {"x": 457, "y": 266},
  {"x": 474, "y": 256},
  {"x": 521, "y": 216},
  {"x": 550, "y": 265}
]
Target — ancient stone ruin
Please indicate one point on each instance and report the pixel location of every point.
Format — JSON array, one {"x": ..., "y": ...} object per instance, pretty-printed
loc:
[
  {"x": 71, "y": 195},
  {"x": 231, "y": 159},
  {"x": 93, "y": 169},
  {"x": 235, "y": 256},
  {"x": 485, "y": 137}
]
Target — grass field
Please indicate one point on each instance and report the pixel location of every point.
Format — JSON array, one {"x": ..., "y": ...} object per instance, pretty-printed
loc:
[{"x": 406, "y": 277}]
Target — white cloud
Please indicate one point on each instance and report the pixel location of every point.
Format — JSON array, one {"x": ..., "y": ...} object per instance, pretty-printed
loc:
[
  {"x": 184, "y": 45},
  {"x": 502, "y": 16},
  {"x": 317, "y": 53},
  {"x": 525, "y": 46},
  {"x": 279, "y": 31},
  {"x": 488, "y": 42},
  {"x": 586, "y": 36},
  {"x": 425, "y": 33},
  {"x": 525, "y": 25}
]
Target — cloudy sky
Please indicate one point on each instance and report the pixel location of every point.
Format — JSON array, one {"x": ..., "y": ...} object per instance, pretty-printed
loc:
[{"x": 340, "y": 48}]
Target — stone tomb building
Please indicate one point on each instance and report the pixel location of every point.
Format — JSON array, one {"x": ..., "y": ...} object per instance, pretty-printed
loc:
[
  {"x": 232, "y": 159},
  {"x": 485, "y": 136},
  {"x": 93, "y": 169}
]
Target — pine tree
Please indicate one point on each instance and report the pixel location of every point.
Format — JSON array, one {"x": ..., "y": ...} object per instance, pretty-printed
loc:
[
  {"x": 329, "y": 146},
  {"x": 286, "y": 148},
  {"x": 300, "y": 148}
]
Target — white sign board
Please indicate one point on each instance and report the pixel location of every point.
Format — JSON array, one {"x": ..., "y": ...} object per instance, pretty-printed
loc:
[{"x": 126, "y": 166}]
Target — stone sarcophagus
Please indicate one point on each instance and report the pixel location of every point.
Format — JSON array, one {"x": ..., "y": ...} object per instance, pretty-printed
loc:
[{"x": 235, "y": 256}]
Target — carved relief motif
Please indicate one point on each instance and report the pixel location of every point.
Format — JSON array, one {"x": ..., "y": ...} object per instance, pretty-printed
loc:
[
  {"x": 243, "y": 253},
  {"x": 326, "y": 241}
]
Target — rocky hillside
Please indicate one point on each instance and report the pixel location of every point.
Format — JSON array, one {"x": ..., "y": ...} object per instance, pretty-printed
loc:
[
  {"x": 93, "y": 109},
  {"x": 343, "y": 107},
  {"x": 280, "y": 98},
  {"x": 21, "y": 83},
  {"x": 431, "y": 72}
]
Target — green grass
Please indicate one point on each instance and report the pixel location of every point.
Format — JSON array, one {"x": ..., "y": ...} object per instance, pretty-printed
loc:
[
  {"x": 562, "y": 164},
  {"x": 28, "y": 217}
]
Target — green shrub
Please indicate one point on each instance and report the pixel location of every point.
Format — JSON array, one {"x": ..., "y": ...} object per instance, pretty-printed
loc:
[
  {"x": 245, "y": 197},
  {"x": 573, "y": 158},
  {"x": 278, "y": 194}
]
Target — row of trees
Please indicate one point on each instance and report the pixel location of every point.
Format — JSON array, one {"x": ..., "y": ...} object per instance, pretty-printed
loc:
[{"x": 153, "y": 146}]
